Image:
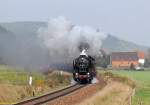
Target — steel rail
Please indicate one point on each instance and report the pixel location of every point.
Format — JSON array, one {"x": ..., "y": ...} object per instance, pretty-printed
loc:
[{"x": 51, "y": 96}]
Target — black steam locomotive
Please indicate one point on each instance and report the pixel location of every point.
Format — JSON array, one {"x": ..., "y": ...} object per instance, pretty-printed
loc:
[{"x": 84, "y": 68}]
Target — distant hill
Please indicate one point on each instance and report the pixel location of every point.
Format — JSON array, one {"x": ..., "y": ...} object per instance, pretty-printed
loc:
[
  {"x": 28, "y": 30},
  {"x": 24, "y": 28},
  {"x": 112, "y": 43},
  {"x": 7, "y": 43},
  {"x": 20, "y": 45},
  {"x": 6, "y": 37},
  {"x": 3, "y": 30}
]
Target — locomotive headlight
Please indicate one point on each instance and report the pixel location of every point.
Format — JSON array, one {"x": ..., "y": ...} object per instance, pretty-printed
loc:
[
  {"x": 88, "y": 74},
  {"x": 76, "y": 74}
]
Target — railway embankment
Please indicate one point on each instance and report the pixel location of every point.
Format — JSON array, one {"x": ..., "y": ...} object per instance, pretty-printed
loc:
[{"x": 118, "y": 91}]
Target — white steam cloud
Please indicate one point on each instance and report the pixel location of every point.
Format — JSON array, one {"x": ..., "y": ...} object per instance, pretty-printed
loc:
[
  {"x": 56, "y": 44},
  {"x": 63, "y": 39}
]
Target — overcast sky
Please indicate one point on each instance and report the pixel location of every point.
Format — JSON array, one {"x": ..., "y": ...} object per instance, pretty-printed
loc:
[{"x": 127, "y": 19}]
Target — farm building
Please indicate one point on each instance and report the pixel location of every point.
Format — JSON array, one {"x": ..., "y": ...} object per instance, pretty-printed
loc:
[{"x": 127, "y": 59}]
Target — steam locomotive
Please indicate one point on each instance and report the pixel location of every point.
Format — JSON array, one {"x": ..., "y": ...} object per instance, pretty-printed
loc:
[{"x": 84, "y": 68}]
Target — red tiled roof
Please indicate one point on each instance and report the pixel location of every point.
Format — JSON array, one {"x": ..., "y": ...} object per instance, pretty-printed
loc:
[
  {"x": 141, "y": 55},
  {"x": 124, "y": 56}
]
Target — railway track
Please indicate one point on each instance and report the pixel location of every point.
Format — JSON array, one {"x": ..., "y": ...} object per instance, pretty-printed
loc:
[{"x": 51, "y": 96}]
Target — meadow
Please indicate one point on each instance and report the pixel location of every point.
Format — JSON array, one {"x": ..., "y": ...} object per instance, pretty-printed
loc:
[
  {"x": 9, "y": 75},
  {"x": 14, "y": 84},
  {"x": 142, "y": 80}
]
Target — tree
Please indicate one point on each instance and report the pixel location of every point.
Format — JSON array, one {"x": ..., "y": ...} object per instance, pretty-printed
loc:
[
  {"x": 147, "y": 58},
  {"x": 147, "y": 63},
  {"x": 132, "y": 66},
  {"x": 103, "y": 60}
]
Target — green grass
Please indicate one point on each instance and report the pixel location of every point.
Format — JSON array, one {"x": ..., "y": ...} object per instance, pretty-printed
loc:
[
  {"x": 17, "y": 77},
  {"x": 9, "y": 75},
  {"x": 142, "y": 79}
]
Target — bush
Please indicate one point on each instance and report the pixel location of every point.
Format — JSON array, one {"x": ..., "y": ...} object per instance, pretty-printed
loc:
[
  {"x": 123, "y": 79},
  {"x": 29, "y": 90},
  {"x": 55, "y": 79}
]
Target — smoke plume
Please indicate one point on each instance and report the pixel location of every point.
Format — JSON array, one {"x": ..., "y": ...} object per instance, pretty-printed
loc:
[
  {"x": 65, "y": 40},
  {"x": 54, "y": 45}
]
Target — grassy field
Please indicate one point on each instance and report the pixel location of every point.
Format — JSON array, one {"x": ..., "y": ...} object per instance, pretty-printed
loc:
[
  {"x": 14, "y": 83},
  {"x": 142, "y": 79},
  {"x": 16, "y": 76}
]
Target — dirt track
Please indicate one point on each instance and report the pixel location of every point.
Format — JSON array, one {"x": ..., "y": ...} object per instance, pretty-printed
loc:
[{"x": 115, "y": 93}]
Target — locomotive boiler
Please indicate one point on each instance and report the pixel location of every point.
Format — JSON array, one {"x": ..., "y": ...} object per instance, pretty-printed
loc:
[{"x": 84, "y": 68}]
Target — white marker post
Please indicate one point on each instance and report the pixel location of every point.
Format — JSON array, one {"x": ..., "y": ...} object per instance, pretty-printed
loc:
[
  {"x": 61, "y": 73},
  {"x": 30, "y": 80}
]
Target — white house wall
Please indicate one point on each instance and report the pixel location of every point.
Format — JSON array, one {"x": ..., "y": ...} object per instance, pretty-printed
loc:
[{"x": 141, "y": 61}]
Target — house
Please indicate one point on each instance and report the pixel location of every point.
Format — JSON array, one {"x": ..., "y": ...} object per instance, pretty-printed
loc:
[{"x": 127, "y": 59}]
